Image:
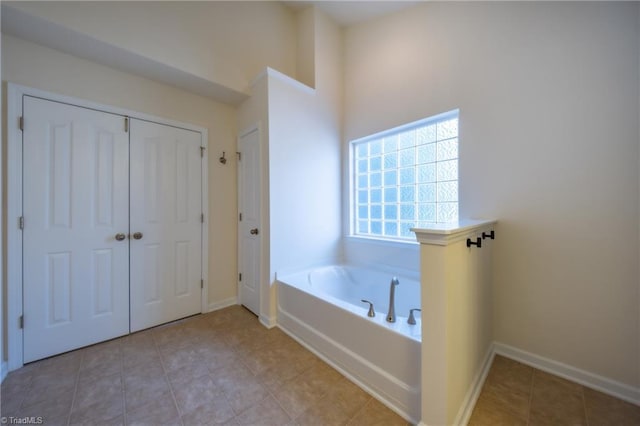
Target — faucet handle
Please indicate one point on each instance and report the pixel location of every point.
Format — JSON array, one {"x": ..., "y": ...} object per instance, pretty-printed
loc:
[
  {"x": 412, "y": 319},
  {"x": 371, "y": 312}
]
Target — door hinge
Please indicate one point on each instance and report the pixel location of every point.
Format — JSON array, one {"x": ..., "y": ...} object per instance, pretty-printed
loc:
[
  {"x": 240, "y": 217},
  {"x": 201, "y": 283},
  {"x": 202, "y": 218},
  {"x": 21, "y": 222},
  {"x": 126, "y": 124},
  {"x": 240, "y": 277},
  {"x": 21, "y": 123},
  {"x": 21, "y": 321},
  {"x": 239, "y": 154},
  {"x": 202, "y": 148}
]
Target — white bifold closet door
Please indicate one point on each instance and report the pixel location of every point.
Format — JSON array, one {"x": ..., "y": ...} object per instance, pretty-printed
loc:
[
  {"x": 112, "y": 239},
  {"x": 166, "y": 209},
  {"x": 75, "y": 202}
]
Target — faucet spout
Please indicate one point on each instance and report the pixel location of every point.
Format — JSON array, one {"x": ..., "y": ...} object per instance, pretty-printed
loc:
[{"x": 391, "y": 316}]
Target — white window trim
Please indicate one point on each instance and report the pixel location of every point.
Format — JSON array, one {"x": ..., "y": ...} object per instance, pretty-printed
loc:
[{"x": 351, "y": 174}]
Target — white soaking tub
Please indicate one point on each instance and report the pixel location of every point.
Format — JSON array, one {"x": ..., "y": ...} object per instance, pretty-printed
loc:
[{"x": 322, "y": 308}]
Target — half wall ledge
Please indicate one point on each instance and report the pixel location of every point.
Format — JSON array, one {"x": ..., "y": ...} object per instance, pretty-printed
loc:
[{"x": 442, "y": 234}]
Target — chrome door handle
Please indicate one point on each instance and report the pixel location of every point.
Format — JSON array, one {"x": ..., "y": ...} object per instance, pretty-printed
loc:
[
  {"x": 137, "y": 236},
  {"x": 254, "y": 231},
  {"x": 120, "y": 237}
]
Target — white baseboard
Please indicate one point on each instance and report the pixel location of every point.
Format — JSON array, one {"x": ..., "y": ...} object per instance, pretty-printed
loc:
[
  {"x": 469, "y": 401},
  {"x": 4, "y": 370},
  {"x": 268, "y": 322},
  {"x": 222, "y": 304},
  {"x": 585, "y": 378},
  {"x": 605, "y": 385}
]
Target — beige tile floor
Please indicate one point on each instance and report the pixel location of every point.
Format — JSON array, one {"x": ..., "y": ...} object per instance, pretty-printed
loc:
[
  {"x": 219, "y": 368},
  {"x": 226, "y": 368},
  {"x": 516, "y": 394}
]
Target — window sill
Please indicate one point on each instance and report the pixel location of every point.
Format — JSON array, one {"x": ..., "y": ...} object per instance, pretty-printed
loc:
[{"x": 381, "y": 241}]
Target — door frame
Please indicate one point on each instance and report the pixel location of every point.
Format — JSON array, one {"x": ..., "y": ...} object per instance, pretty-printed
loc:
[
  {"x": 257, "y": 127},
  {"x": 14, "y": 263}
]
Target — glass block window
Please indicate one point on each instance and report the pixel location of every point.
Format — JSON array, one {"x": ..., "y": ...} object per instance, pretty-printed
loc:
[{"x": 406, "y": 177}]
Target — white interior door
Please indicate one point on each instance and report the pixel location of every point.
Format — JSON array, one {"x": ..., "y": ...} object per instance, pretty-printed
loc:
[
  {"x": 166, "y": 223},
  {"x": 249, "y": 235},
  {"x": 75, "y": 202}
]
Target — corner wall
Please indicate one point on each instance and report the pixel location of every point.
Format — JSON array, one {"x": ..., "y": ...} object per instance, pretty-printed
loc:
[
  {"x": 305, "y": 126},
  {"x": 304, "y": 162},
  {"x": 549, "y": 146},
  {"x": 301, "y": 187}
]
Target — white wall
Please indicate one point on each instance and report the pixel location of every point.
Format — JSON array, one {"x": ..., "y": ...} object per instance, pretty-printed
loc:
[
  {"x": 222, "y": 41},
  {"x": 301, "y": 157},
  {"x": 304, "y": 180},
  {"x": 548, "y": 98},
  {"x": 304, "y": 157},
  {"x": 305, "y": 47},
  {"x": 42, "y": 68}
]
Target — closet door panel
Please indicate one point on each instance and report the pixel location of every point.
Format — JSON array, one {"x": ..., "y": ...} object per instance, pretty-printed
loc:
[
  {"x": 75, "y": 201},
  {"x": 166, "y": 228}
]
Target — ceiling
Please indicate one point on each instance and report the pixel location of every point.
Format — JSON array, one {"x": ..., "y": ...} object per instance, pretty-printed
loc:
[{"x": 348, "y": 13}]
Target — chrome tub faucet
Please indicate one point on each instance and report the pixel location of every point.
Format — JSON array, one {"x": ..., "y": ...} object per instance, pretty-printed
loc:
[{"x": 391, "y": 316}]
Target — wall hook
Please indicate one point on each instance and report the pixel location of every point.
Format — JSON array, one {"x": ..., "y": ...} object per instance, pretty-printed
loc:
[
  {"x": 491, "y": 235},
  {"x": 223, "y": 159},
  {"x": 477, "y": 242}
]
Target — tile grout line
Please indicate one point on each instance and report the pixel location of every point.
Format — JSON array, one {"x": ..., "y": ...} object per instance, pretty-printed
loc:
[
  {"x": 269, "y": 391},
  {"x": 293, "y": 419},
  {"x": 360, "y": 410},
  {"x": 25, "y": 393},
  {"x": 166, "y": 377},
  {"x": 224, "y": 394},
  {"x": 533, "y": 378},
  {"x": 238, "y": 356},
  {"x": 584, "y": 405},
  {"x": 122, "y": 384},
  {"x": 75, "y": 388}
]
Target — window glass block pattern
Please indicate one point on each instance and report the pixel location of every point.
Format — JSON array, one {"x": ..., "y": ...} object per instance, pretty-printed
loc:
[{"x": 405, "y": 178}]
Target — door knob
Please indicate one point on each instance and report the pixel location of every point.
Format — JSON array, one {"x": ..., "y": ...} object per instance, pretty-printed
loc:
[
  {"x": 120, "y": 237},
  {"x": 137, "y": 236},
  {"x": 254, "y": 231}
]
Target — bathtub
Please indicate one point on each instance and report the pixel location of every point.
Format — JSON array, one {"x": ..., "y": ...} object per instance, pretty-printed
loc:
[{"x": 321, "y": 308}]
